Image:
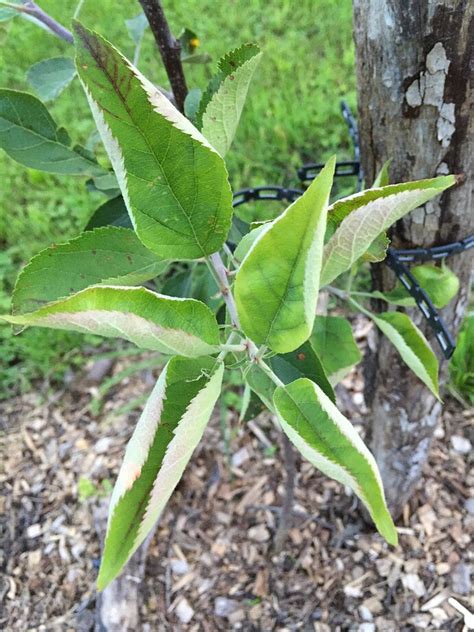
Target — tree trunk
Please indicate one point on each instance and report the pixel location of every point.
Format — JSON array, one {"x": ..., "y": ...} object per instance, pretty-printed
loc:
[{"x": 413, "y": 72}]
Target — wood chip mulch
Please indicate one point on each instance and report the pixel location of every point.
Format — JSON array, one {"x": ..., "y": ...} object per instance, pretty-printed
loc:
[{"x": 211, "y": 565}]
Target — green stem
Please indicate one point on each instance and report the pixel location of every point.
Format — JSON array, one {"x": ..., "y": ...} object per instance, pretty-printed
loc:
[
  {"x": 347, "y": 297},
  {"x": 234, "y": 336},
  {"x": 78, "y": 9},
  {"x": 230, "y": 254},
  {"x": 266, "y": 369},
  {"x": 234, "y": 348},
  {"x": 216, "y": 266},
  {"x": 218, "y": 270}
]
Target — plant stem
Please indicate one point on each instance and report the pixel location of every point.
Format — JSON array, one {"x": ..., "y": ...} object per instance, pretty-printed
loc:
[
  {"x": 266, "y": 369},
  {"x": 347, "y": 297},
  {"x": 219, "y": 272},
  {"x": 33, "y": 10},
  {"x": 230, "y": 254},
  {"x": 287, "y": 507},
  {"x": 234, "y": 348},
  {"x": 136, "y": 54},
  {"x": 78, "y": 9},
  {"x": 169, "y": 47}
]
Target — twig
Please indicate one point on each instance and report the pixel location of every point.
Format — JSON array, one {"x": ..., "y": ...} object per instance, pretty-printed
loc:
[
  {"x": 169, "y": 47},
  {"x": 33, "y": 10},
  {"x": 219, "y": 272},
  {"x": 287, "y": 508}
]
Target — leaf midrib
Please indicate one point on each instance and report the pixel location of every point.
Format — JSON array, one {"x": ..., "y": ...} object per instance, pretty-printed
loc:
[{"x": 100, "y": 62}]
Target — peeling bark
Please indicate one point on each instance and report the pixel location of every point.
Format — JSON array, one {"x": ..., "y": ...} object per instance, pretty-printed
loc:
[{"x": 413, "y": 70}]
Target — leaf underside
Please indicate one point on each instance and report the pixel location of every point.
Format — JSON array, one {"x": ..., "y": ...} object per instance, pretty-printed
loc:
[
  {"x": 151, "y": 321},
  {"x": 221, "y": 105},
  {"x": 50, "y": 77},
  {"x": 356, "y": 221}
]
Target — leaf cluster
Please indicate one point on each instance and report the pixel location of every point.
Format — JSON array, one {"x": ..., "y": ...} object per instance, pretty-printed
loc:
[{"x": 166, "y": 226}]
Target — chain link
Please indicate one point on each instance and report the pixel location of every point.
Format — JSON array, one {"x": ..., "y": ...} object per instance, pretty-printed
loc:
[{"x": 423, "y": 301}]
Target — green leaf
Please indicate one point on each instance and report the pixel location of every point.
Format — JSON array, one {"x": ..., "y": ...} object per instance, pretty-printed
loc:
[
  {"x": 441, "y": 285},
  {"x": 31, "y": 137},
  {"x": 191, "y": 103},
  {"x": 149, "y": 320},
  {"x": 383, "y": 176},
  {"x": 111, "y": 255},
  {"x": 252, "y": 408},
  {"x": 248, "y": 240},
  {"x": 136, "y": 27},
  {"x": 412, "y": 346},
  {"x": 189, "y": 42},
  {"x": 333, "y": 340},
  {"x": 461, "y": 367},
  {"x": 50, "y": 77},
  {"x": 168, "y": 431},
  {"x": 276, "y": 287},
  {"x": 107, "y": 184},
  {"x": 8, "y": 13},
  {"x": 174, "y": 183},
  {"x": 260, "y": 384},
  {"x": 195, "y": 281},
  {"x": 196, "y": 58},
  {"x": 222, "y": 104},
  {"x": 361, "y": 218},
  {"x": 302, "y": 362},
  {"x": 111, "y": 213},
  {"x": 329, "y": 441},
  {"x": 377, "y": 251}
]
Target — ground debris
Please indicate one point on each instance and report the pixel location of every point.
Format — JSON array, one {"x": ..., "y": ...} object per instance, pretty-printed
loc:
[{"x": 210, "y": 565}]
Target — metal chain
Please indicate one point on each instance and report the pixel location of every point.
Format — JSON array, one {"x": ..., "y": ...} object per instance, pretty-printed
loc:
[
  {"x": 423, "y": 301},
  {"x": 343, "y": 169},
  {"x": 265, "y": 193},
  {"x": 436, "y": 252},
  {"x": 396, "y": 259}
]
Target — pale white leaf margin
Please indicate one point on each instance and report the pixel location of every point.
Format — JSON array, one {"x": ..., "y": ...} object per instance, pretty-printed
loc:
[
  {"x": 334, "y": 470},
  {"x": 328, "y": 467},
  {"x": 187, "y": 435},
  {"x": 359, "y": 229},
  {"x": 161, "y": 105},
  {"x": 315, "y": 252},
  {"x": 113, "y": 323},
  {"x": 222, "y": 114}
]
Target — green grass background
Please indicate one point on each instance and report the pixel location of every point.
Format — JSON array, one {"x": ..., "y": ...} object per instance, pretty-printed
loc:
[{"x": 292, "y": 115}]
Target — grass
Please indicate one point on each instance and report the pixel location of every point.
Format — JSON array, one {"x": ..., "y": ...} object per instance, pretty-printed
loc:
[{"x": 292, "y": 116}]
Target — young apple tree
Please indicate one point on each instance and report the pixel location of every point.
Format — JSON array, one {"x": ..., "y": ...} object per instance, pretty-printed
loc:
[{"x": 170, "y": 213}]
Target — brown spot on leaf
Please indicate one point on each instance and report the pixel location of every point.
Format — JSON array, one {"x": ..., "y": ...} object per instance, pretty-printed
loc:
[
  {"x": 301, "y": 356},
  {"x": 231, "y": 77}
]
